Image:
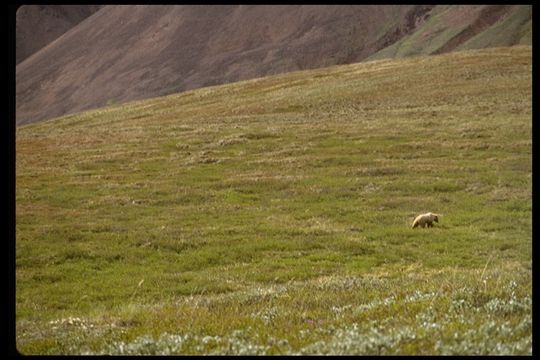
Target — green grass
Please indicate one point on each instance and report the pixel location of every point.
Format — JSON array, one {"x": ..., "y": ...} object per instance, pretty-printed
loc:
[
  {"x": 516, "y": 26},
  {"x": 440, "y": 27},
  {"x": 273, "y": 215}
]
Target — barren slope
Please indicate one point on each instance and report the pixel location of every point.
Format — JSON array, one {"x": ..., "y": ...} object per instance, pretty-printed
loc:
[
  {"x": 124, "y": 53},
  {"x": 38, "y": 25},
  {"x": 134, "y": 52}
]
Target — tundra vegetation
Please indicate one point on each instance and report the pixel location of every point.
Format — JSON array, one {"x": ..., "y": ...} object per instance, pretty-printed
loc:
[{"x": 272, "y": 216}]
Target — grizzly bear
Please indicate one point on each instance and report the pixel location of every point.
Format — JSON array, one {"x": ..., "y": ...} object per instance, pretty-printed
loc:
[{"x": 425, "y": 219}]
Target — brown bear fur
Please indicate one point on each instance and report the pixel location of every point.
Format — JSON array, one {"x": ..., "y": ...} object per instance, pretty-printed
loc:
[{"x": 425, "y": 219}]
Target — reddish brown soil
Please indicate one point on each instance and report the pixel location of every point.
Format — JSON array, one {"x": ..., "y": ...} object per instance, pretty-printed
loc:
[{"x": 38, "y": 25}]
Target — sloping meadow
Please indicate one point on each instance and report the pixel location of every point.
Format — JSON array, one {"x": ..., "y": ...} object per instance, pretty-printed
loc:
[{"x": 272, "y": 216}]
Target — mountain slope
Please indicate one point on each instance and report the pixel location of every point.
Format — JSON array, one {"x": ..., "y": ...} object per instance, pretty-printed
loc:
[
  {"x": 125, "y": 53},
  {"x": 39, "y": 25},
  {"x": 134, "y": 52}
]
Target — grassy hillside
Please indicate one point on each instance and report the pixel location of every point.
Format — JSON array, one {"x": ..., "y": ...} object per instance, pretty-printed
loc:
[
  {"x": 514, "y": 29},
  {"x": 273, "y": 215},
  {"x": 444, "y": 24}
]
